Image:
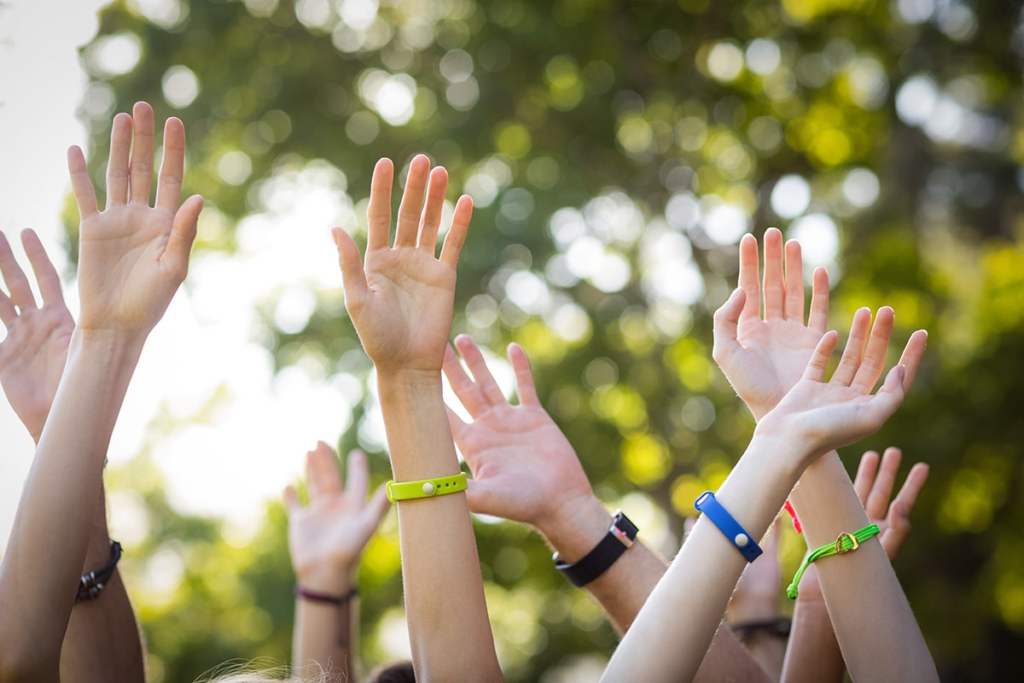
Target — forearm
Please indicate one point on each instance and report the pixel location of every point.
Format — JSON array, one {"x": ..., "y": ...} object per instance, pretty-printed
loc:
[
  {"x": 875, "y": 628},
  {"x": 623, "y": 589},
  {"x": 680, "y": 618},
  {"x": 813, "y": 655},
  {"x": 48, "y": 543},
  {"x": 102, "y": 641},
  {"x": 325, "y": 636},
  {"x": 448, "y": 627}
]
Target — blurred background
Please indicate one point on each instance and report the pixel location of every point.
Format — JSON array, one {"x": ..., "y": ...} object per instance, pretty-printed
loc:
[{"x": 616, "y": 152}]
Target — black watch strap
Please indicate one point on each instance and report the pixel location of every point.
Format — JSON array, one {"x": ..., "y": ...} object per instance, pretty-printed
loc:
[{"x": 620, "y": 537}]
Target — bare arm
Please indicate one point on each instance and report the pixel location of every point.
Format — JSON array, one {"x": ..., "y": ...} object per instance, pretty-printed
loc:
[
  {"x": 525, "y": 470},
  {"x": 401, "y": 304},
  {"x": 132, "y": 259},
  {"x": 688, "y": 603},
  {"x": 326, "y": 538},
  {"x": 102, "y": 641},
  {"x": 762, "y": 356}
]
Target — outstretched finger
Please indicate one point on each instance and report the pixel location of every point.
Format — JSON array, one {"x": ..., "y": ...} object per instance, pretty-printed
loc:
[
  {"x": 357, "y": 476},
  {"x": 42, "y": 266},
  {"x": 378, "y": 214},
  {"x": 81, "y": 185},
  {"x": 142, "y": 153},
  {"x": 353, "y": 278},
  {"x": 430, "y": 222},
  {"x": 819, "y": 359},
  {"x": 412, "y": 201},
  {"x": 183, "y": 235},
  {"x": 172, "y": 166},
  {"x": 457, "y": 426},
  {"x": 873, "y": 362},
  {"x": 865, "y": 476},
  {"x": 912, "y": 355},
  {"x": 8, "y": 313},
  {"x": 818, "y": 319},
  {"x": 881, "y": 491},
  {"x": 323, "y": 471},
  {"x": 898, "y": 519},
  {"x": 292, "y": 504},
  {"x": 725, "y": 326},
  {"x": 794, "y": 302},
  {"x": 379, "y": 504},
  {"x": 14, "y": 276},
  {"x": 848, "y": 364},
  {"x": 478, "y": 366},
  {"x": 749, "y": 280},
  {"x": 466, "y": 390},
  {"x": 526, "y": 389},
  {"x": 456, "y": 236},
  {"x": 117, "y": 165},
  {"x": 774, "y": 290}
]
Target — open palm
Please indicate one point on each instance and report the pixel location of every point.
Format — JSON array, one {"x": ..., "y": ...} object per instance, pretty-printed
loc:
[
  {"x": 32, "y": 356},
  {"x": 327, "y": 536},
  {"x": 523, "y": 467},
  {"x": 763, "y": 357},
  {"x": 401, "y": 298},
  {"x": 133, "y": 256}
]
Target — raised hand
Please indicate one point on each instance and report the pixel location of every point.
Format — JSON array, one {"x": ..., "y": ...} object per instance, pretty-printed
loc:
[
  {"x": 32, "y": 356},
  {"x": 827, "y": 415},
  {"x": 401, "y": 299},
  {"x": 326, "y": 537},
  {"x": 874, "y": 487},
  {"x": 524, "y": 469},
  {"x": 133, "y": 256},
  {"x": 764, "y": 356}
]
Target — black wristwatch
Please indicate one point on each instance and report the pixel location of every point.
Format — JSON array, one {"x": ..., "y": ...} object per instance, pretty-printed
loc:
[{"x": 620, "y": 537}]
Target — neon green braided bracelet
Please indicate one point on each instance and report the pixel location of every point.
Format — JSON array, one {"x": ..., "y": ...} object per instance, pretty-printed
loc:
[{"x": 845, "y": 543}]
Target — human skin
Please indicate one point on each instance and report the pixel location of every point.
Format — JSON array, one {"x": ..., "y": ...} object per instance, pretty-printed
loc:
[
  {"x": 762, "y": 355},
  {"x": 132, "y": 259},
  {"x": 400, "y": 300},
  {"x": 102, "y": 641},
  {"x": 670, "y": 635},
  {"x": 326, "y": 538},
  {"x": 525, "y": 470}
]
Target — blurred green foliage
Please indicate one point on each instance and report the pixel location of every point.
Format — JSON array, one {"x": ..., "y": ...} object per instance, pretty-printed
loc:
[{"x": 616, "y": 152}]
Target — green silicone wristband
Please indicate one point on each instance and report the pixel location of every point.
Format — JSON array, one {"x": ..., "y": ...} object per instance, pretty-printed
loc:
[
  {"x": 846, "y": 543},
  {"x": 426, "y": 488}
]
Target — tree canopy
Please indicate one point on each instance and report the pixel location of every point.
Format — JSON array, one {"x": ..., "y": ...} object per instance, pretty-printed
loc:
[{"x": 616, "y": 152}]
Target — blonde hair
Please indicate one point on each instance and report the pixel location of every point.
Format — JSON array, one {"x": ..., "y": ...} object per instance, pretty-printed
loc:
[{"x": 251, "y": 673}]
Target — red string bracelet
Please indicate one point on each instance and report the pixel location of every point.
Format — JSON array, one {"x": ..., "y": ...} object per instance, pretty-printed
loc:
[{"x": 792, "y": 513}]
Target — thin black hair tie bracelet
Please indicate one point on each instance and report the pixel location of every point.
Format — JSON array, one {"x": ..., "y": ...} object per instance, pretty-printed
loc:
[{"x": 91, "y": 584}]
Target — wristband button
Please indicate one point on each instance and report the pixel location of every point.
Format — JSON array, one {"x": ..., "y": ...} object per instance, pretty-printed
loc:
[
  {"x": 428, "y": 488},
  {"x": 741, "y": 540}
]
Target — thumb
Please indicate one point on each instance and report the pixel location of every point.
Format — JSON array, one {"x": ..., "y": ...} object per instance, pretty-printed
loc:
[
  {"x": 353, "y": 278},
  {"x": 726, "y": 319},
  {"x": 291, "y": 500},
  {"x": 379, "y": 504},
  {"x": 479, "y": 496},
  {"x": 183, "y": 233}
]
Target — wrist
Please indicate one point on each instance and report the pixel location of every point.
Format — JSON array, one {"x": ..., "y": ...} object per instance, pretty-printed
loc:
[
  {"x": 339, "y": 580},
  {"x": 407, "y": 378},
  {"x": 575, "y": 527},
  {"x": 117, "y": 343},
  {"x": 791, "y": 449}
]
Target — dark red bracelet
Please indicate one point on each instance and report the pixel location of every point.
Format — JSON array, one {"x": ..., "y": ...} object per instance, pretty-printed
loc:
[{"x": 313, "y": 596}]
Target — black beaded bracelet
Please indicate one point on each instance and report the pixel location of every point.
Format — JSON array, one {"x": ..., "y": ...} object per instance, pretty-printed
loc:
[{"x": 91, "y": 584}]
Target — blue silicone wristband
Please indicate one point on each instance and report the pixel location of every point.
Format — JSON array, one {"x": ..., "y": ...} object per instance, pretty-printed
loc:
[{"x": 729, "y": 527}]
